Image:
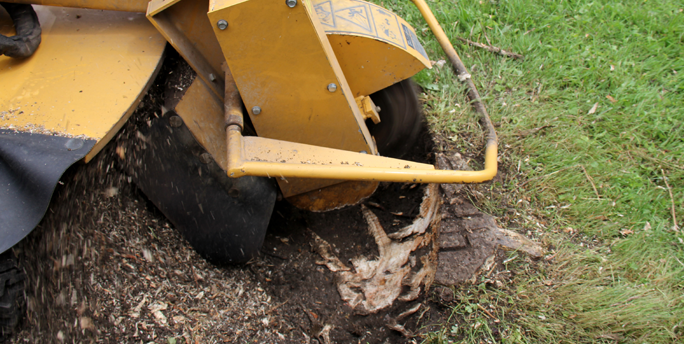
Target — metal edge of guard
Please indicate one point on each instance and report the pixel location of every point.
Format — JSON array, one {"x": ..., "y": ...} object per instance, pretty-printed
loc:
[{"x": 30, "y": 168}]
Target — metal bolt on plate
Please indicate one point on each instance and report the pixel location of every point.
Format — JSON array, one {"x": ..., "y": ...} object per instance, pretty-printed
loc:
[
  {"x": 256, "y": 110},
  {"x": 291, "y": 3},
  {"x": 222, "y": 24},
  {"x": 175, "y": 121},
  {"x": 332, "y": 87}
]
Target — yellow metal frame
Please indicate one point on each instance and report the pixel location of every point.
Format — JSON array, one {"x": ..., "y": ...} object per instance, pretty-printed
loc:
[
  {"x": 256, "y": 156},
  {"x": 246, "y": 155},
  {"x": 244, "y": 159}
]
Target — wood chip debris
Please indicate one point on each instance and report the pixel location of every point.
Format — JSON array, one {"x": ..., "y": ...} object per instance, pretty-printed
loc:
[
  {"x": 156, "y": 309},
  {"x": 325, "y": 333}
]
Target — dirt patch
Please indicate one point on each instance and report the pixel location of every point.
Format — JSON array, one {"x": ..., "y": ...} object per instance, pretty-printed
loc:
[
  {"x": 105, "y": 266},
  {"x": 307, "y": 293}
]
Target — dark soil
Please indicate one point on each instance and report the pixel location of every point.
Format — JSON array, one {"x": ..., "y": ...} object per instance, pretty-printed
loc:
[
  {"x": 104, "y": 265},
  {"x": 103, "y": 258},
  {"x": 307, "y": 292}
]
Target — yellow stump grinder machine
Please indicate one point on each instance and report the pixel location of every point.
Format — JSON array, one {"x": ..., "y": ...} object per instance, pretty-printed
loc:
[{"x": 307, "y": 98}]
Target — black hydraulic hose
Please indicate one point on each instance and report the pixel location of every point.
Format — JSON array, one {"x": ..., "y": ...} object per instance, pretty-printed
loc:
[
  {"x": 27, "y": 26},
  {"x": 461, "y": 71}
]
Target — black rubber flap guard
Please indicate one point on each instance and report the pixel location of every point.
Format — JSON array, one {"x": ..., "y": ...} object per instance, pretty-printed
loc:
[
  {"x": 224, "y": 219},
  {"x": 30, "y": 167}
]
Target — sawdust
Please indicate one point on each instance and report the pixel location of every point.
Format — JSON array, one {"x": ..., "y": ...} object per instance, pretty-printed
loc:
[{"x": 108, "y": 268}]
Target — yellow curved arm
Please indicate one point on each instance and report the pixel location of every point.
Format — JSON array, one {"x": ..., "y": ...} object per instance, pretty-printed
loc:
[{"x": 319, "y": 163}]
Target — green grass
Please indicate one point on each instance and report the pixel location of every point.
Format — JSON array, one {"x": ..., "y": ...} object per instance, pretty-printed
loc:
[{"x": 616, "y": 265}]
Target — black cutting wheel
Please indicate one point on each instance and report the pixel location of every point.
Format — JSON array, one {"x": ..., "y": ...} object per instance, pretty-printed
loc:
[
  {"x": 12, "y": 296},
  {"x": 400, "y": 117}
]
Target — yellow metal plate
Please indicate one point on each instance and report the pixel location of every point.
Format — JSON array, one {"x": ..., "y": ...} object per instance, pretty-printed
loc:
[
  {"x": 202, "y": 112},
  {"x": 358, "y": 17},
  {"x": 186, "y": 27},
  {"x": 371, "y": 65},
  {"x": 282, "y": 62},
  {"x": 85, "y": 79},
  {"x": 375, "y": 47},
  {"x": 259, "y": 149}
]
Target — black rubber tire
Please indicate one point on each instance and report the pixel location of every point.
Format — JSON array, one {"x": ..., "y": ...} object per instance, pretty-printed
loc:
[
  {"x": 400, "y": 116},
  {"x": 12, "y": 296}
]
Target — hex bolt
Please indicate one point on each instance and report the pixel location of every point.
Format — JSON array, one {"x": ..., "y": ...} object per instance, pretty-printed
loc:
[
  {"x": 363, "y": 152},
  {"x": 291, "y": 3},
  {"x": 256, "y": 110},
  {"x": 332, "y": 87},
  {"x": 212, "y": 77},
  {"x": 175, "y": 121},
  {"x": 205, "y": 158},
  {"x": 222, "y": 24}
]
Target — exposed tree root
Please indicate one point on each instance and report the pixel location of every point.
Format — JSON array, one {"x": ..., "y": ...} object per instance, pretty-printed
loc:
[{"x": 374, "y": 284}]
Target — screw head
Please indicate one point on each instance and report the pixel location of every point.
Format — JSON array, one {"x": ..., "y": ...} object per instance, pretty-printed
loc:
[
  {"x": 175, "y": 121},
  {"x": 291, "y": 3},
  {"x": 222, "y": 24},
  {"x": 256, "y": 110},
  {"x": 332, "y": 87}
]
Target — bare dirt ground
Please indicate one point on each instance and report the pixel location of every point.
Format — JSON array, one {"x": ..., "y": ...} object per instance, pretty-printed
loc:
[{"x": 105, "y": 265}]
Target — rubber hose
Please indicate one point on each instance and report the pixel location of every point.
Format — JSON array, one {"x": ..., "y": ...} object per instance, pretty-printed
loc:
[{"x": 27, "y": 26}]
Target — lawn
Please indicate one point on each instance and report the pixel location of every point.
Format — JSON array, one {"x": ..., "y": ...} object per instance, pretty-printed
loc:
[{"x": 592, "y": 163}]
